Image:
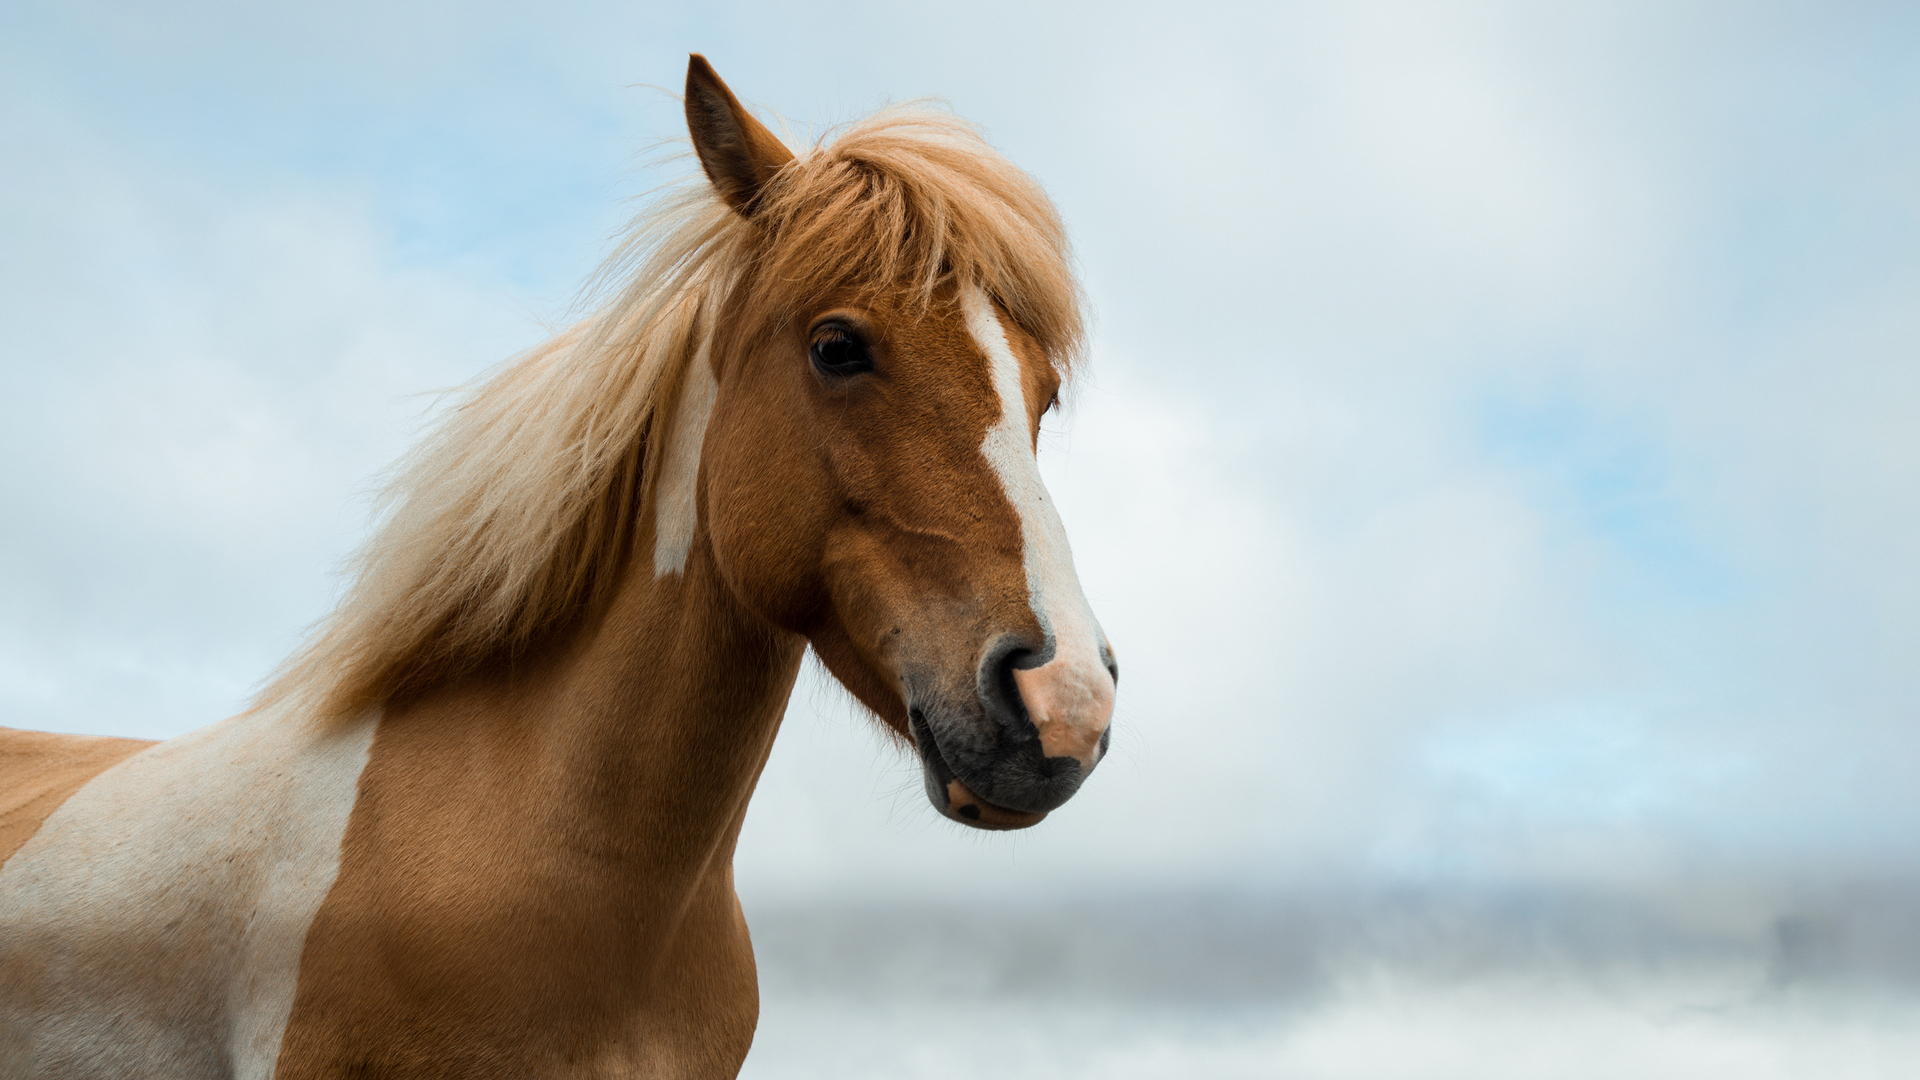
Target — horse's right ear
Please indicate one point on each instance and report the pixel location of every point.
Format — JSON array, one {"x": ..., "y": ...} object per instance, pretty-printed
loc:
[{"x": 739, "y": 154}]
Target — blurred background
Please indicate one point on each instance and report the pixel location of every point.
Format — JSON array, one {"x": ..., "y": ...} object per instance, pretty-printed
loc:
[{"x": 1499, "y": 473}]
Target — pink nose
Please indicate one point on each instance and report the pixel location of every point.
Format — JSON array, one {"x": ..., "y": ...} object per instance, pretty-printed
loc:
[{"x": 1070, "y": 701}]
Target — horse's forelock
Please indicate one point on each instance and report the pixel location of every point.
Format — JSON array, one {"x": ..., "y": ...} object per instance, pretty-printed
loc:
[{"x": 913, "y": 198}]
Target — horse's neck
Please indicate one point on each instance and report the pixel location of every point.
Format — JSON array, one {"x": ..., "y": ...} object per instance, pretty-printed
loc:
[
  {"x": 631, "y": 744},
  {"x": 549, "y": 845}
]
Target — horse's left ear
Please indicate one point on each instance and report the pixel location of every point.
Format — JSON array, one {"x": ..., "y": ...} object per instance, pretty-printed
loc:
[{"x": 738, "y": 152}]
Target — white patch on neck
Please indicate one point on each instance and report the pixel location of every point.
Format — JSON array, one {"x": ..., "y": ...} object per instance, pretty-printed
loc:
[
  {"x": 1052, "y": 586},
  {"x": 676, "y": 509}
]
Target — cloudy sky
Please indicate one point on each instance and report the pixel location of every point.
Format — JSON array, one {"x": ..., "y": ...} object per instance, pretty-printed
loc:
[{"x": 1500, "y": 459}]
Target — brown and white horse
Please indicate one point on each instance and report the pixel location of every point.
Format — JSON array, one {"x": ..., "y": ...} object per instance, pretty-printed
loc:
[{"x": 483, "y": 824}]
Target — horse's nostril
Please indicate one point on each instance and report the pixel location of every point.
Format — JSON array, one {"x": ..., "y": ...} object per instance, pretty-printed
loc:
[
  {"x": 1000, "y": 692},
  {"x": 1010, "y": 689}
]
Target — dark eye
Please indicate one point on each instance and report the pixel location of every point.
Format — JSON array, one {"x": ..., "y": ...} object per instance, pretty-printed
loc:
[{"x": 838, "y": 353}]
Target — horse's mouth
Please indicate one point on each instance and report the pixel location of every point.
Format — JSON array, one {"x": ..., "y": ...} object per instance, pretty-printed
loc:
[
  {"x": 964, "y": 806},
  {"x": 952, "y": 797}
]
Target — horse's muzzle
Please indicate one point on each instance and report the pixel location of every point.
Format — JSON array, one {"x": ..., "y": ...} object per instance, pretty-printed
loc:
[{"x": 1034, "y": 731}]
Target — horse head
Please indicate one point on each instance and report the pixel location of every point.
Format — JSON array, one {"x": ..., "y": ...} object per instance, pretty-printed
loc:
[{"x": 867, "y": 476}]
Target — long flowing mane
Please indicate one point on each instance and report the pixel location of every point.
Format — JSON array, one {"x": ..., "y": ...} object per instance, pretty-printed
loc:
[{"x": 518, "y": 511}]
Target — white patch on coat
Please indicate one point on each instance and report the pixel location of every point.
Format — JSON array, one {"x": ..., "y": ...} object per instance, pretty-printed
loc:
[
  {"x": 676, "y": 510},
  {"x": 1070, "y": 698},
  {"x": 153, "y": 926}
]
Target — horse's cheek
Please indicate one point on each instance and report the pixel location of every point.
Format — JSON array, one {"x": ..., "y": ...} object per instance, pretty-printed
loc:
[{"x": 768, "y": 511}]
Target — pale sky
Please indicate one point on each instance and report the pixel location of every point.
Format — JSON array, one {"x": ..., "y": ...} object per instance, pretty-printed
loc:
[{"x": 1499, "y": 462}]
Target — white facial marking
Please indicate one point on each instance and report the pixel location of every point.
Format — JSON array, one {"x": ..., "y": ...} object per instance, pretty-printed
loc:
[
  {"x": 153, "y": 925},
  {"x": 1070, "y": 698},
  {"x": 676, "y": 508}
]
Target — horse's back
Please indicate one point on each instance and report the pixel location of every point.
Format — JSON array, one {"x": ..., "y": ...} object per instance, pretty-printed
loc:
[{"x": 40, "y": 770}]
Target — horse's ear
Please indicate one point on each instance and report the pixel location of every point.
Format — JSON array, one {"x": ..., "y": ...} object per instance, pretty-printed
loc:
[{"x": 739, "y": 154}]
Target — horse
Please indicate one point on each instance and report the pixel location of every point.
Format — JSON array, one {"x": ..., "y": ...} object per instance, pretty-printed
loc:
[{"x": 482, "y": 823}]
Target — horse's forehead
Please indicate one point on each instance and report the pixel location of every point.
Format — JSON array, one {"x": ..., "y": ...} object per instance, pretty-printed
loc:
[
  {"x": 935, "y": 341},
  {"x": 938, "y": 342}
]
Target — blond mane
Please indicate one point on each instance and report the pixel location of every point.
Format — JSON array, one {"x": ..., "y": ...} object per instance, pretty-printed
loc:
[{"x": 518, "y": 511}]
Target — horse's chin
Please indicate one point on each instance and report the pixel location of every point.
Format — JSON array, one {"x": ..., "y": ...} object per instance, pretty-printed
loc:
[
  {"x": 956, "y": 800},
  {"x": 953, "y": 798}
]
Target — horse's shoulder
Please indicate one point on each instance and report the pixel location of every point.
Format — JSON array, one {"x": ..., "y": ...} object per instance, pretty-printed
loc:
[{"x": 39, "y": 770}]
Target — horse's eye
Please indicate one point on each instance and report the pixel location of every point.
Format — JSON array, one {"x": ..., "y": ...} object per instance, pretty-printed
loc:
[{"x": 838, "y": 353}]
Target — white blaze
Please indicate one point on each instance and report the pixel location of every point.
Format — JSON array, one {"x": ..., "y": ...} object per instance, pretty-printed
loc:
[
  {"x": 1070, "y": 698},
  {"x": 676, "y": 508}
]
